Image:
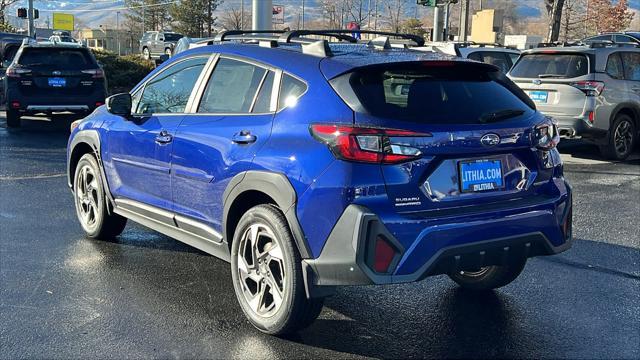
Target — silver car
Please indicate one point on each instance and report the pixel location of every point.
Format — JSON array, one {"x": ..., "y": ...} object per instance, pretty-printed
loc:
[
  {"x": 494, "y": 54},
  {"x": 592, "y": 91}
]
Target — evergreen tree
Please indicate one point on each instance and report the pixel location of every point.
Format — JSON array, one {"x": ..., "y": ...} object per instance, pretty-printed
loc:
[
  {"x": 194, "y": 17},
  {"x": 146, "y": 15}
]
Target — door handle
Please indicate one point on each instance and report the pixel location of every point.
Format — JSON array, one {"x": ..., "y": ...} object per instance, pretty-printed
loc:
[
  {"x": 244, "y": 137},
  {"x": 164, "y": 137}
]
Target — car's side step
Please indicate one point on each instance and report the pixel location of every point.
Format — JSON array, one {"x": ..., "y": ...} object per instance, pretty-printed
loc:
[{"x": 183, "y": 229}]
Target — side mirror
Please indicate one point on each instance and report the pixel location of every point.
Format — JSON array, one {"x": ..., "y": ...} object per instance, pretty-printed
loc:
[
  {"x": 119, "y": 104},
  {"x": 161, "y": 59}
]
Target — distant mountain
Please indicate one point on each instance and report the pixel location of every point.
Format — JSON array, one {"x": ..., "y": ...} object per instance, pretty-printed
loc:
[{"x": 93, "y": 13}]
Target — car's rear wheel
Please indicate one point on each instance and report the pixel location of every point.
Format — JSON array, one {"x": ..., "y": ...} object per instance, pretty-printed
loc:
[
  {"x": 267, "y": 273},
  {"x": 146, "y": 54},
  {"x": 90, "y": 201},
  {"x": 489, "y": 277},
  {"x": 13, "y": 118},
  {"x": 621, "y": 138}
]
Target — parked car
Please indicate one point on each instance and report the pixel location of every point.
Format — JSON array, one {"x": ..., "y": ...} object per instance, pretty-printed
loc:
[
  {"x": 592, "y": 91},
  {"x": 62, "y": 36},
  {"x": 9, "y": 45},
  {"x": 632, "y": 37},
  {"x": 156, "y": 43},
  {"x": 185, "y": 43},
  {"x": 49, "y": 78},
  {"x": 309, "y": 165},
  {"x": 494, "y": 54}
]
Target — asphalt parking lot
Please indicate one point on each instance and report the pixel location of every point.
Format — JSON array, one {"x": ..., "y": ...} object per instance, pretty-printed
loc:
[{"x": 145, "y": 295}]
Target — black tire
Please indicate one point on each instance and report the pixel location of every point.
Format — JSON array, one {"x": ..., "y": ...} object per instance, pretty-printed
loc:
[
  {"x": 490, "y": 277},
  {"x": 13, "y": 118},
  {"x": 621, "y": 139},
  {"x": 295, "y": 311},
  {"x": 91, "y": 203}
]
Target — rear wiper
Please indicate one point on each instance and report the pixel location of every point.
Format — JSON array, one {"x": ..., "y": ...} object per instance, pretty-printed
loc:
[
  {"x": 545, "y": 76},
  {"x": 500, "y": 115}
]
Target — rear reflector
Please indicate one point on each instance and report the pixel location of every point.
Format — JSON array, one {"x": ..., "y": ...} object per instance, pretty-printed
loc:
[
  {"x": 591, "y": 117},
  {"x": 15, "y": 104},
  {"x": 368, "y": 145},
  {"x": 383, "y": 255},
  {"x": 99, "y": 103}
]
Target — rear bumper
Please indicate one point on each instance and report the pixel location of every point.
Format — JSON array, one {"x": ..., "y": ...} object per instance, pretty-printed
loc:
[
  {"x": 572, "y": 127},
  {"x": 346, "y": 256}
]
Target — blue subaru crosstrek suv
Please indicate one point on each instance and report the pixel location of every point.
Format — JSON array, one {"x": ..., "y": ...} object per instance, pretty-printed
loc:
[{"x": 310, "y": 164}]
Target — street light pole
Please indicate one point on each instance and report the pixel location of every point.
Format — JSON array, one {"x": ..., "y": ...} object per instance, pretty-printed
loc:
[
  {"x": 303, "y": 14},
  {"x": 118, "y": 31},
  {"x": 262, "y": 14},
  {"x": 32, "y": 32}
]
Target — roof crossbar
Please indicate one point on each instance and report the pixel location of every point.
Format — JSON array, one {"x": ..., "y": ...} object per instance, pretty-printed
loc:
[{"x": 286, "y": 37}]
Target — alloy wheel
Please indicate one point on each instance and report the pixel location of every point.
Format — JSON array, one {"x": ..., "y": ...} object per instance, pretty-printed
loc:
[
  {"x": 87, "y": 196},
  {"x": 261, "y": 270},
  {"x": 623, "y": 137}
]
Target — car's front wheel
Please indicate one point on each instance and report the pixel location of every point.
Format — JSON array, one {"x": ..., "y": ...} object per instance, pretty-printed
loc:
[
  {"x": 267, "y": 273},
  {"x": 621, "y": 140},
  {"x": 90, "y": 200},
  {"x": 489, "y": 277}
]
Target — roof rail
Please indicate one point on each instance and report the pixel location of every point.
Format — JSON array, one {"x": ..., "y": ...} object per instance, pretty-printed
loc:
[
  {"x": 286, "y": 37},
  {"x": 263, "y": 35},
  {"x": 608, "y": 43},
  {"x": 561, "y": 44}
]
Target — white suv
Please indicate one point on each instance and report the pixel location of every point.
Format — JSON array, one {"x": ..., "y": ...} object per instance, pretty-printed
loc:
[{"x": 592, "y": 91}]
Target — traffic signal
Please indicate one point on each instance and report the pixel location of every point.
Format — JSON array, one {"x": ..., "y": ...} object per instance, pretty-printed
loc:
[
  {"x": 22, "y": 13},
  {"x": 36, "y": 13}
]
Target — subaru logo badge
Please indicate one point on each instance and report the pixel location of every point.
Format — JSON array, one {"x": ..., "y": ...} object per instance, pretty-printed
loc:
[
  {"x": 537, "y": 82},
  {"x": 57, "y": 72},
  {"x": 490, "y": 140}
]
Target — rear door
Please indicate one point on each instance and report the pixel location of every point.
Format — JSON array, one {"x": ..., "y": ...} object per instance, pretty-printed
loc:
[
  {"x": 220, "y": 136},
  {"x": 549, "y": 78},
  {"x": 138, "y": 150},
  {"x": 471, "y": 127}
]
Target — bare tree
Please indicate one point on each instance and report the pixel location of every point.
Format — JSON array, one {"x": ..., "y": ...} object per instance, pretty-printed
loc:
[
  {"x": 4, "y": 4},
  {"x": 554, "y": 9},
  {"x": 233, "y": 19},
  {"x": 334, "y": 12},
  {"x": 358, "y": 10},
  {"x": 395, "y": 14}
]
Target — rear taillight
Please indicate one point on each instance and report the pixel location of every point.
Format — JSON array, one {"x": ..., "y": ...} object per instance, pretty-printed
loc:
[
  {"x": 15, "y": 104},
  {"x": 369, "y": 145},
  {"x": 590, "y": 88},
  {"x": 546, "y": 136},
  {"x": 16, "y": 72},
  {"x": 95, "y": 73}
]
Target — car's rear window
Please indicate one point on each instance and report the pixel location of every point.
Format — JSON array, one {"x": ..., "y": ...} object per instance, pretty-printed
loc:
[
  {"x": 70, "y": 59},
  {"x": 560, "y": 66},
  {"x": 172, "y": 37},
  {"x": 437, "y": 94}
]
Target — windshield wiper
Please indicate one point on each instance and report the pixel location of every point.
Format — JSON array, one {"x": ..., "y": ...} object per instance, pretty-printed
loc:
[
  {"x": 545, "y": 76},
  {"x": 500, "y": 115}
]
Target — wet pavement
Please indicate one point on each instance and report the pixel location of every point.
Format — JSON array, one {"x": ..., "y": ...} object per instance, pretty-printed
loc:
[{"x": 146, "y": 295}]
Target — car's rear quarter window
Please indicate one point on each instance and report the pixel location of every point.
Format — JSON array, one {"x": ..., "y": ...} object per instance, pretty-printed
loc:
[{"x": 561, "y": 66}]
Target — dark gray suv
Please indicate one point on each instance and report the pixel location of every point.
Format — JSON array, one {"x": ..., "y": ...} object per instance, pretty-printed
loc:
[
  {"x": 156, "y": 43},
  {"x": 592, "y": 91}
]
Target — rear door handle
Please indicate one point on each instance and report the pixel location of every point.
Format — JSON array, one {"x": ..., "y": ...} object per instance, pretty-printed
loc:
[
  {"x": 164, "y": 137},
  {"x": 244, "y": 137}
]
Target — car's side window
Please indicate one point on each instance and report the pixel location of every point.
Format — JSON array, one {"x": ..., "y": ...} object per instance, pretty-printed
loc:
[
  {"x": 614, "y": 66},
  {"x": 290, "y": 90},
  {"x": 622, "y": 39},
  {"x": 169, "y": 91},
  {"x": 631, "y": 61},
  {"x": 232, "y": 87}
]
